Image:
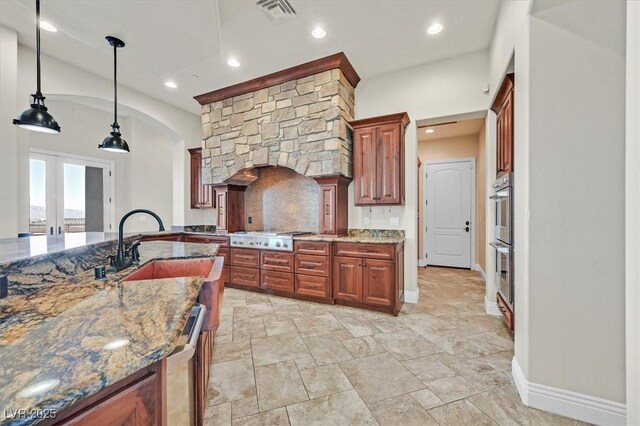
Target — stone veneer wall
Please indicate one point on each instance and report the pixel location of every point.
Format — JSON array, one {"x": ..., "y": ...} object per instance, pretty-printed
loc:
[{"x": 300, "y": 124}]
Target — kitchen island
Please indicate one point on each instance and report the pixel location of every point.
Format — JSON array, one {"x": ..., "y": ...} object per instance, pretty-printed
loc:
[{"x": 65, "y": 336}]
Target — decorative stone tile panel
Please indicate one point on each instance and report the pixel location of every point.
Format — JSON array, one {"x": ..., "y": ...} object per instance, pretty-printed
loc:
[{"x": 300, "y": 124}]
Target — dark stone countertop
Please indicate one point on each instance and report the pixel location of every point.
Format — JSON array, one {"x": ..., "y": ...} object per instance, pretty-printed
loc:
[{"x": 56, "y": 334}]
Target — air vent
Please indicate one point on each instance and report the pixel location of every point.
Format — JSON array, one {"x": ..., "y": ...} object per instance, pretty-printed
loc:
[{"x": 277, "y": 9}]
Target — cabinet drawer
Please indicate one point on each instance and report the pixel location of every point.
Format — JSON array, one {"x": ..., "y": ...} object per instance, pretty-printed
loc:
[
  {"x": 374, "y": 251},
  {"x": 224, "y": 253},
  {"x": 277, "y": 280},
  {"x": 309, "y": 285},
  {"x": 275, "y": 261},
  {"x": 206, "y": 239},
  {"x": 245, "y": 257},
  {"x": 163, "y": 237},
  {"x": 507, "y": 315},
  {"x": 244, "y": 276},
  {"x": 312, "y": 265},
  {"x": 319, "y": 248}
]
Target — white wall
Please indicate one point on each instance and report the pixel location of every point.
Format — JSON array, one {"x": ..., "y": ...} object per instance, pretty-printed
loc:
[
  {"x": 8, "y": 141},
  {"x": 633, "y": 213},
  {"x": 437, "y": 89}
]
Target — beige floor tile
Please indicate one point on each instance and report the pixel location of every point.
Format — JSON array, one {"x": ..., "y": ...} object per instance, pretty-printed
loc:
[
  {"x": 325, "y": 380},
  {"x": 357, "y": 326},
  {"x": 460, "y": 413},
  {"x": 244, "y": 407},
  {"x": 223, "y": 352},
  {"x": 427, "y": 399},
  {"x": 218, "y": 415},
  {"x": 406, "y": 344},
  {"x": 318, "y": 325},
  {"x": 280, "y": 327},
  {"x": 428, "y": 369},
  {"x": 401, "y": 410},
  {"x": 278, "y": 348},
  {"x": 345, "y": 408},
  {"x": 306, "y": 362},
  {"x": 327, "y": 349},
  {"x": 277, "y": 417},
  {"x": 452, "y": 388},
  {"x": 379, "y": 377},
  {"x": 279, "y": 385},
  {"x": 230, "y": 381},
  {"x": 362, "y": 346}
]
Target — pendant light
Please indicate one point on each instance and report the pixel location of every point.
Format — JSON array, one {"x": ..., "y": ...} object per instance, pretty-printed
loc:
[
  {"x": 114, "y": 141},
  {"x": 37, "y": 118}
]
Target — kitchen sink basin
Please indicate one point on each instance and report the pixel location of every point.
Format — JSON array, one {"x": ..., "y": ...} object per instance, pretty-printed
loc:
[
  {"x": 174, "y": 268},
  {"x": 209, "y": 269}
]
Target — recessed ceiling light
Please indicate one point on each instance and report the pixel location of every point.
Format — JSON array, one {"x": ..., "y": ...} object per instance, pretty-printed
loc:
[
  {"x": 434, "y": 29},
  {"x": 318, "y": 32},
  {"x": 429, "y": 131},
  {"x": 233, "y": 63},
  {"x": 171, "y": 84},
  {"x": 48, "y": 27},
  {"x": 117, "y": 344}
]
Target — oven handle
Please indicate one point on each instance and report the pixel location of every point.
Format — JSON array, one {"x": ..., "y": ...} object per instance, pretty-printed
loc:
[
  {"x": 190, "y": 348},
  {"x": 500, "y": 195},
  {"x": 500, "y": 247}
]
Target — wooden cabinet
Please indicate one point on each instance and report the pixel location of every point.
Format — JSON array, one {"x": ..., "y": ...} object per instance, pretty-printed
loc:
[
  {"x": 248, "y": 258},
  {"x": 369, "y": 275},
  {"x": 230, "y": 212},
  {"x": 277, "y": 280},
  {"x": 313, "y": 286},
  {"x": 276, "y": 261},
  {"x": 137, "y": 400},
  {"x": 503, "y": 107},
  {"x": 378, "y": 159},
  {"x": 347, "y": 279},
  {"x": 201, "y": 195},
  {"x": 312, "y": 265},
  {"x": 334, "y": 204},
  {"x": 318, "y": 248},
  {"x": 203, "y": 361},
  {"x": 507, "y": 315},
  {"x": 244, "y": 276}
]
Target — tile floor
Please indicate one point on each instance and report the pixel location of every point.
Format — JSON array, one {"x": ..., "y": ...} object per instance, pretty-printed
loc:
[{"x": 442, "y": 361}]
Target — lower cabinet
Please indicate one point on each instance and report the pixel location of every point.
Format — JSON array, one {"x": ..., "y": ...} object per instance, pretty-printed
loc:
[
  {"x": 282, "y": 281},
  {"x": 136, "y": 400},
  {"x": 361, "y": 276}
]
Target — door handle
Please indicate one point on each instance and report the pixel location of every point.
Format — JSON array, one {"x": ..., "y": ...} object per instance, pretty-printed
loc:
[
  {"x": 467, "y": 223},
  {"x": 59, "y": 229},
  {"x": 51, "y": 230},
  {"x": 466, "y": 228}
]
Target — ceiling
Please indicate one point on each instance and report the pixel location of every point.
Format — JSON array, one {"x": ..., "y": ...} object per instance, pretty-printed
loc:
[
  {"x": 459, "y": 128},
  {"x": 190, "y": 41}
]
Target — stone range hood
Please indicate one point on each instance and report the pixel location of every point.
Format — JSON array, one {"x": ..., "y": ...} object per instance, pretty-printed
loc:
[{"x": 295, "y": 118}]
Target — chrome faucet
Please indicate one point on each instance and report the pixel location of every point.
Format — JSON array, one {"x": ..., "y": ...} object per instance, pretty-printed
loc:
[{"x": 120, "y": 262}]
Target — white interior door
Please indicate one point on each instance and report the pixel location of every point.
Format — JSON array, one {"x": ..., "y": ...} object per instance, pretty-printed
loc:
[
  {"x": 448, "y": 214},
  {"x": 69, "y": 194}
]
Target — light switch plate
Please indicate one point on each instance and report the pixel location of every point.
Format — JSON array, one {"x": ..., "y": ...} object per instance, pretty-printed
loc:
[{"x": 395, "y": 221}]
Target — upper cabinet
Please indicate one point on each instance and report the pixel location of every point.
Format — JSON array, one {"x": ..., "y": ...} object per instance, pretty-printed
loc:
[
  {"x": 201, "y": 195},
  {"x": 503, "y": 107},
  {"x": 378, "y": 159}
]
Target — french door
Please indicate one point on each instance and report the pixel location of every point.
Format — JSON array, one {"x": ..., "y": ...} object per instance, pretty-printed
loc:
[{"x": 69, "y": 194}]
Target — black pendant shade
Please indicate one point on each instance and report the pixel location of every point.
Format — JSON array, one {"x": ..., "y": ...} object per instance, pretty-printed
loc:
[
  {"x": 114, "y": 142},
  {"x": 37, "y": 118}
]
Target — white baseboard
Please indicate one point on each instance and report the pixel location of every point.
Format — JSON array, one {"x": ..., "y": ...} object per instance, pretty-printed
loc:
[
  {"x": 491, "y": 308},
  {"x": 479, "y": 269},
  {"x": 566, "y": 403},
  {"x": 422, "y": 263},
  {"x": 412, "y": 296}
]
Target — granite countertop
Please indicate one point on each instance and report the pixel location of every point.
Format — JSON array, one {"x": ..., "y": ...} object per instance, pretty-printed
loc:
[
  {"x": 367, "y": 236},
  {"x": 57, "y": 338}
]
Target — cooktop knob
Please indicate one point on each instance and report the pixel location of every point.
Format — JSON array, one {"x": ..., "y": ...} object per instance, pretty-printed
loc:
[{"x": 278, "y": 244}]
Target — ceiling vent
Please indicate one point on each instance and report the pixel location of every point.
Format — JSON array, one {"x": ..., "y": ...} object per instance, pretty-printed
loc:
[{"x": 277, "y": 9}]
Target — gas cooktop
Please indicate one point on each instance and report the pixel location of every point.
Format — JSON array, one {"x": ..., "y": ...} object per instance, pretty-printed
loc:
[{"x": 270, "y": 240}]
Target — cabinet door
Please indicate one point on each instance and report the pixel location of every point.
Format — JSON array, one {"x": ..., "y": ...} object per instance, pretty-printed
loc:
[
  {"x": 328, "y": 209},
  {"x": 389, "y": 165},
  {"x": 507, "y": 152},
  {"x": 347, "y": 278},
  {"x": 221, "y": 201},
  {"x": 377, "y": 281},
  {"x": 364, "y": 165},
  {"x": 196, "y": 187},
  {"x": 136, "y": 404}
]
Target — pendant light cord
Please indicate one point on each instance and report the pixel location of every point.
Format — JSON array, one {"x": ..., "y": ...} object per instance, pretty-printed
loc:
[
  {"x": 115, "y": 88},
  {"x": 38, "y": 94}
]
